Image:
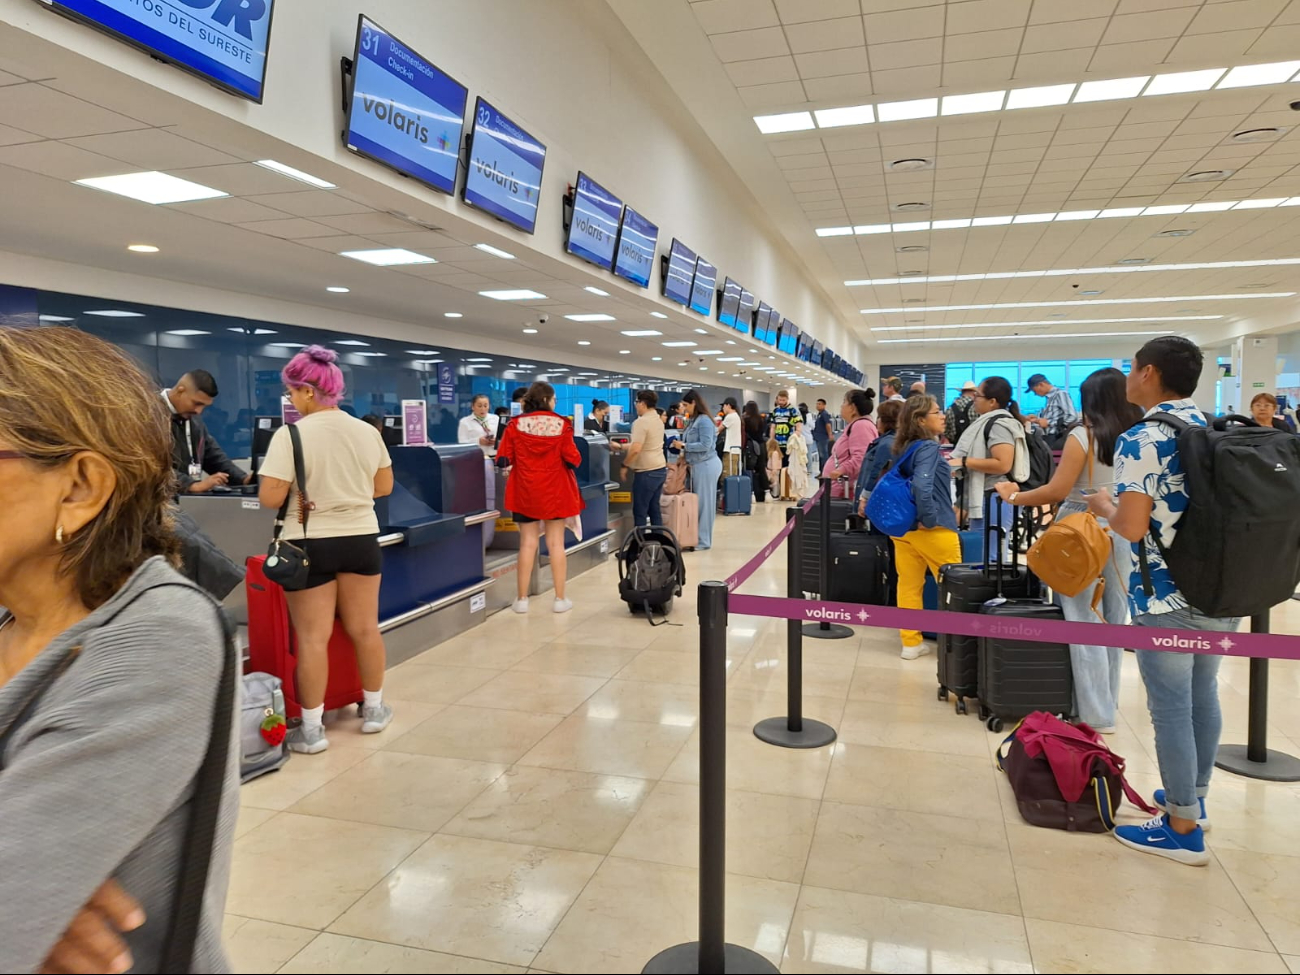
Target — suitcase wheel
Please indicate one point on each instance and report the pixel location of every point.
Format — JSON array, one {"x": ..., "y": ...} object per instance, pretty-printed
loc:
[
  {"x": 943, "y": 693},
  {"x": 994, "y": 723},
  {"x": 961, "y": 705}
]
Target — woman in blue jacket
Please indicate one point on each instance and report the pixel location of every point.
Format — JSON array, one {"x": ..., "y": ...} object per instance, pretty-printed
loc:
[
  {"x": 934, "y": 540},
  {"x": 879, "y": 453},
  {"x": 700, "y": 446}
]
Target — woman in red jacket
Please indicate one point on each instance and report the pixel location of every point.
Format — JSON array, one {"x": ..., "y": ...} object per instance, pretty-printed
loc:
[{"x": 542, "y": 488}]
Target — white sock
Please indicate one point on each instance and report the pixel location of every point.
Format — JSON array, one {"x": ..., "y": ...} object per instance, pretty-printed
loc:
[
  {"x": 372, "y": 699},
  {"x": 311, "y": 718}
]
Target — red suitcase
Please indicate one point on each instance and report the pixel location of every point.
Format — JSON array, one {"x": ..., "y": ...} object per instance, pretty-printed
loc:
[{"x": 272, "y": 648}]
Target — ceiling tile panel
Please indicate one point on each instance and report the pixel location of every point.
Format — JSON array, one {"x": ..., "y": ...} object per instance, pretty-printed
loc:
[
  {"x": 904, "y": 25},
  {"x": 978, "y": 74},
  {"x": 1226, "y": 47},
  {"x": 1280, "y": 42},
  {"x": 230, "y": 209},
  {"x": 10, "y": 136},
  {"x": 55, "y": 115},
  {"x": 762, "y": 98},
  {"x": 290, "y": 229},
  {"x": 1033, "y": 69},
  {"x": 905, "y": 54},
  {"x": 1056, "y": 11},
  {"x": 904, "y": 81},
  {"x": 981, "y": 15},
  {"x": 153, "y": 149},
  {"x": 825, "y": 35},
  {"x": 762, "y": 71},
  {"x": 746, "y": 45},
  {"x": 1062, "y": 37},
  {"x": 725, "y": 16},
  {"x": 799, "y": 11},
  {"x": 843, "y": 86},
  {"x": 825, "y": 64},
  {"x": 58, "y": 160},
  {"x": 311, "y": 203},
  {"x": 1235, "y": 15}
]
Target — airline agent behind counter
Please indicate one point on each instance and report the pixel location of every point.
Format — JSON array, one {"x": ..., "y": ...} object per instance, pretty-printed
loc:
[{"x": 197, "y": 458}]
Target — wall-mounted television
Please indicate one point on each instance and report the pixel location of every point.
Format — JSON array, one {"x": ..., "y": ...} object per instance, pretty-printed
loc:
[
  {"x": 504, "y": 176},
  {"x": 789, "y": 338},
  {"x": 744, "y": 312},
  {"x": 404, "y": 112},
  {"x": 705, "y": 280},
  {"x": 593, "y": 228},
  {"x": 679, "y": 273},
  {"x": 224, "y": 43},
  {"x": 760, "y": 321},
  {"x": 772, "y": 327},
  {"x": 815, "y": 356},
  {"x": 637, "y": 240},
  {"x": 729, "y": 302}
]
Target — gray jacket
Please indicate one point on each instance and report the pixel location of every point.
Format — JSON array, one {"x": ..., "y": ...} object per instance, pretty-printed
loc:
[{"x": 95, "y": 782}]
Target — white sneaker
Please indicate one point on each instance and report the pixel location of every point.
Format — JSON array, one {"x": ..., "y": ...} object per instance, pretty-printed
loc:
[
  {"x": 916, "y": 652},
  {"x": 376, "y": 719},
  {"x": 563, "y": 605},
  {"x": 520, "y": 605},
  {"x": 307, "y": 742}
]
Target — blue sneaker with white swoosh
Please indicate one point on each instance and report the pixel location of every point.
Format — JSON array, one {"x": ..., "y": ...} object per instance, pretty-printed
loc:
[{"x": 1158, "y": 837}]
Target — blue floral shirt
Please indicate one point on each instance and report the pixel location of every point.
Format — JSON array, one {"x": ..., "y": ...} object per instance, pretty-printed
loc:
[{"x": 1147, "y": 462}]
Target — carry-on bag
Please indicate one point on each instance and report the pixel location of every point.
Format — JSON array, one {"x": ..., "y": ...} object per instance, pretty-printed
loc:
[
  {"x": 650, "y": 571},
  {"x": 737, "y": 494},
  {"x": 859, "y": 568},
  {"x": 262, "y": 726},
  {"x": 675, "y": 479},
  {"x": 841, "y": 512},
  {"x": 681, "y": 516}
]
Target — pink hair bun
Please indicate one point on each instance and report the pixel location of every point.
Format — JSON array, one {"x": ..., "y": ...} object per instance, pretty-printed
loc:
[{"x": 318, "y": 353}]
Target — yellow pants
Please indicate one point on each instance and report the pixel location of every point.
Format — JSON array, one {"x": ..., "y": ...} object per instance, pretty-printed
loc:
[{"x": 917, "y": 552}]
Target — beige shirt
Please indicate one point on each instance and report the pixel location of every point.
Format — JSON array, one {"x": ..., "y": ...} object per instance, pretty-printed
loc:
[
  {"x": 341, "y": 455},
  {"x": 648, "y": 431}
]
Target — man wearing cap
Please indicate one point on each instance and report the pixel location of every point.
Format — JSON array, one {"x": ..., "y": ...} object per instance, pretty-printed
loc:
[
  {"x": 1058, "y": 414},
  {"x": 961, "y": 414}
]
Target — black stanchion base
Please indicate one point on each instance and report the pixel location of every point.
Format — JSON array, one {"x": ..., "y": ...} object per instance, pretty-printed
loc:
[
  {"x": 1278, "y": 767},
  {"x": 833, "y": 631},
  {"x": 685, "y": 960},
  {"x": 776, "y": 731}
]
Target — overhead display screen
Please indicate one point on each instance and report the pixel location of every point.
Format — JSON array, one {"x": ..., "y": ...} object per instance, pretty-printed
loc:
[
  {"x": 223, "y": 41},
  {"x": 404, "y": 112},
  {"x": 789, "y": 337},
  {"x": 593, "y": 230},
  {"x": 706, "y": 279},
  {"x": 680, "y": 274},
  {"x": 637, "y": 240},
  {"x": 745, "y": 311},
  {"x": 729, "y": 305},
  {"x": 773, "y": 327},
  {"x": 760, "y": 320},
  {"x": 505, "y": 168},
  {"x": 815, "y": 357}
]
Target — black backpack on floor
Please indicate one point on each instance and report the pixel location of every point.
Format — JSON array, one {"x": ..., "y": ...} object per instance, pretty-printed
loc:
[
  {"x": 651, "y": 571},
  {"x": 1237, "y": 551}
]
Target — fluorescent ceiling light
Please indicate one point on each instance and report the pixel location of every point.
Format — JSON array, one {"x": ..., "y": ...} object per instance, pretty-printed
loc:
[
  {"x": 142, "y": 248},
  {"x": 980, "y": 101},
  {"x": 422, "y": 351},
  {"x": 641, "y": 333},
  {"x": 1180, "y": 81},
  {"x": 1071, "y": 272},
  {"x": 1167, "y": 209},
  {"x": 596, "y": 291},
  {"x": 732, "y": 358},
  {"x": 910, "y": 226},
  {"x": 624, "y": 351},
  {"x": 702, "y": 331},
  {"x": 657, "y": 314},
  {"x": 288, "y": 345},
  {"x": 429, "y": 362},
  {"x": 583, "y": 342},
  {"x": 494, "y": 251},
  {"x": 1049, "y": 321},
  {"x": 388, "y": 257},
  {"x": 152, "y": 187},
  {"x": 873, "y": 228},
  {"x": 480, "y": 359},
  {"x": 829, "y": 118},
  {"x": 656, "y": 358},
  {"x": 452, "y": 314},
  {"x": 1100, "y": 91},
  {"x": 55, "y": 318},
  {"x": 1040, "y": 96},
  {"x": 188, "y": 331},
  {"x": 115, "y": 313},
  {"x": 959, "y": 224},
  {"x": 1077, "y": 215},
  {"x": 1034, "y": 218},
  {"x": 1248, "y": 75},
  {"x": 350, "y": 342},
  {"x": 1112, "y": 212},
  {"x": 787, "y": 122},
  {"x": 371, "y": 355},
  {"x": 991, "y": 221},
  {"x": 1073, "y": 304},
  {"x": 530, "y": 331},
  {"x": 1018, "y": 338},
  {"x": 590, "y": 318},
  {"x": 1213, "y": 207},
  {"x": 707, "y": 352},
  {"x": 913, "y": 108},
  {"x": 338, "y": 289},
  {"x": 680, "y": 345},
  {"x": 1259, "y": 204},
  {"x": 834, "y": 231},
  {"x": 292, "y": 173},
  {"x": 514, "y": 294}
]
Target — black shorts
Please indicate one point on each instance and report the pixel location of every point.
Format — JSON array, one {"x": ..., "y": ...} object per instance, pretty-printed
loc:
[{"x": 344, "y": 554}]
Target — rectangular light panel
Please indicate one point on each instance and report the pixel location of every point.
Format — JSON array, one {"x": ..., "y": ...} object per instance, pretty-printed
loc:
[{"x": 152, "y": 187}]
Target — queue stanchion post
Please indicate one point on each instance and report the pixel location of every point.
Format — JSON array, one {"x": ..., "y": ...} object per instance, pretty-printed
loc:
[
  {"x": 1255, "y": 760},
  {"x": 711, "y": 953},
  {"x": 793, "y": 730},
  {"x": 824, "y": 630}
]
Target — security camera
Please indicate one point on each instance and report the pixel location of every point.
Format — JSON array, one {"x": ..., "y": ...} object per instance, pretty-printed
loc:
[
  {"x": 1295, "y": 106},
  {"x": 543, "y": 319}
]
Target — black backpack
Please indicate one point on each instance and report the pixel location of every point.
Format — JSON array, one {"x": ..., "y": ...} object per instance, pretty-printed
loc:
[
  {"x": 1041, "y": 464},
  {"x": 651, "y": 570},
  {"x": 1237, "y": 551}
]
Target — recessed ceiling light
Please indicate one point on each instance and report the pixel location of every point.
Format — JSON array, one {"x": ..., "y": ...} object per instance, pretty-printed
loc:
[
  {"x": 514, "y": 294},
  {"x": 371, "y": 355},
  {"x": 55, "y": 318},
  {"x": 708, "y": 352},
  {"x": 288, "y": 345},
  {"x": 350, "y": 342},
  {"x": 152, "y": 187},
  {"x": 1260, "y": 204},
  {"x": 702, "y": 331},
  {"x": 480, "y": 359},
  {"x": 657, "y": 314},
  {"x": 388, "y": 257},
  {"x": 624, "y": 351},
  {"x": 338, "y": 289},
  {"x": 595, "y": 317},
  {"x": 1175, "y": 233},
  {"x": 292, "y": 173},
  {"x": 1206, "y": 176},
  {"x": 583, "y": 342},
  {"x": 980, "y": 101},
  {"x": 422, "y": 351},
  {"x": 115, "y": 313},
  {"x": 187, "y": 331},
  {"x": 142, "y": 248},
  {"x": 991, "y": 221},
  {"x": 1180, "y": 81},
  {"x": 1104, "y": 301},
  {"x": 834, "y": 231},
  {"x": 1040, "y": 96},
  {"x": 530, "y": 331},
  {"x": 1077, "y": 215},
  {"x": 452, "y": 314},
  {"x": 1034, "y": 218},
  {"x": 1092, "y": 292},
  {"x": 596, "y": 291},
  {"x": 829, "y": 118},
  {"x": 786, "y": 122},
  {"x": 913, "y": 108},
  {"x": 656, "y": 358},
  {"x": 1248, "y": 75},
  {"x": 704, "y": 368},
  {"x": 1257, "y": 135},
  {"x": 642, "y": 333},
  {"x": 680, "y": 345},
  {"x": 733, "y": 358},
  {"x": 1100, "y": 91},
  {"x": 429, "y": 362},
  {"x": 1165, "y": 210},
  {"x": 494, "y": 251}
]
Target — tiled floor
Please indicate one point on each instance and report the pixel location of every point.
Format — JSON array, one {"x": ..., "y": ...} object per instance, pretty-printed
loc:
[{"x": 534, "y": 807}]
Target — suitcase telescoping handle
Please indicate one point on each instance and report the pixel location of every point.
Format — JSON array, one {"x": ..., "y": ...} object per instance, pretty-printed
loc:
[{"x": 992, "y": 504}]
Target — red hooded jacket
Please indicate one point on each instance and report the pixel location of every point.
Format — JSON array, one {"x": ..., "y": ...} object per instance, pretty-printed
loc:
[{"x": 539, "y": 447}]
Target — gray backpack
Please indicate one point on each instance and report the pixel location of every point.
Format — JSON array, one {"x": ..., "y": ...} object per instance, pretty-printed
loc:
[{"x": 263, "y": 698}]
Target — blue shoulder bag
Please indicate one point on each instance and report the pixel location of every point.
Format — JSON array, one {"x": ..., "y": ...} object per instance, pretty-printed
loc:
[{"x": 891, "y": 507}]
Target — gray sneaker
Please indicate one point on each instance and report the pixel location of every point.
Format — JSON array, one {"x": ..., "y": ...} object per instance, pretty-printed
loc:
[
  {"x": 299, "y": 739},
  {"x": 376, "y": 719}
]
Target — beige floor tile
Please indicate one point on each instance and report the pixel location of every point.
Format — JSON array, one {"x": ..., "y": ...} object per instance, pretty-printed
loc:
[
  {"x": 1059, "y": 947},
  {"x": 577, "y": 659},
  {"x": 1144, "y": 894},
  {"x": 1292, "y": 962},
  {"x": 675, "y": 705},
  {"x": 837, "y": 931},
  {"x": 335, "y": 861},
  {"x": 615, "y": 628},
  {"x": 754, "y": 766},
  {"x": 583, "y": 744},
  {"x": 632, "y": 910},
  {"x": 260, "y": 946},
  {"x": 435, "y": 684},
  {"x": 331, "y": 954},
  {"x": 474, "y": 649},
  {"x": 765, "y": 669},
  {"x": 915, "y": 686},
  {"x": 932, "y": 728},
  {"x": 1268, "y": 882},
  {"x": 477, "y": 734},
  {"x": 927, "y": 782},
  {"x": 663, "y": 667},
  {"x": 547, "y": 807},
  {"x": 517, "y": 691},
  {"x": 301, "y": 776},
  {"x": 346, "y": 730},
  {"x": 915, "y": 856},
  {"x": 477, "y": 898},
  {"x": 398, "y": 789},
  {"x": 747, "y": 706},
  {"x": 767, "y": 836},
  {"x": 250, "y": 817}
]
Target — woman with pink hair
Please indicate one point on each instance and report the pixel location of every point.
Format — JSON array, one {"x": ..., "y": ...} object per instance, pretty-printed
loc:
[{"x": 345, "y": 467}]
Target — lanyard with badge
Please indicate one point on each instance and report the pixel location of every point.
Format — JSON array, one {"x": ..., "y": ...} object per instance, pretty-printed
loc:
[{"x": 195, "y": 468}]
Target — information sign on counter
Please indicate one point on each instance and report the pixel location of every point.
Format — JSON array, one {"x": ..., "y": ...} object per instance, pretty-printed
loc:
[
  {"x": 415, "y": 426},
  {"x": 446, "y": 383},
  {"x": 505, "y": 168}
]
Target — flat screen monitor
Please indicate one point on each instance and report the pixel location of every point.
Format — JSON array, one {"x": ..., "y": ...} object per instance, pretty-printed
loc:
[
  {"x": 729, "y": 303},
  {"x": 805, "y": 347},
  {"x": 637, "y": 240},
  {"x": 789, "y": 337},
  {"x": 744, "y": 312},
  {"x": 593, "y": 229},
  {"x": 760, "y": 321},
  {"x": 404, "y": 112},
  {"x": 706, "y": 279},
  {"x": 224, "y": 43},
  {"x": 815, "y": 356},
  {"x": 680, "y": 273},
  {"x": 504, "y": 177},
  {"x": 773, "y": 326}
]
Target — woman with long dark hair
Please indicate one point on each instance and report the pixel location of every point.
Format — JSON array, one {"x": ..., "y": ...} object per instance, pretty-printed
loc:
[
  {"x": 700, "y": 445},
  {"x": 851, "y": 446},
  {"x": 755, "y": 449},
  {"x": 1086, "y": 467}
]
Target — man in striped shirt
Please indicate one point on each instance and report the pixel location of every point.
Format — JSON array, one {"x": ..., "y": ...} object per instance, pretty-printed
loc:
[{"x": 1058, "y": 414}]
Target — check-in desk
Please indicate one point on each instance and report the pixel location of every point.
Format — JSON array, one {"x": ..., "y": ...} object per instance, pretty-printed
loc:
[
  {"x": 620, "y": 494},
  {"x": 239, "y": 527}
]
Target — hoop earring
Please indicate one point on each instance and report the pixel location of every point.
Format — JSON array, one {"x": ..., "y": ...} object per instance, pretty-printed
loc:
[{"x": 58, "y": 535}]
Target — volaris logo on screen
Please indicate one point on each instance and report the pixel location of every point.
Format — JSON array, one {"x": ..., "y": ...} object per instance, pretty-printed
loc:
[
  {"x": 492, "y": 170},
  {"x": 403, "y": 119}
]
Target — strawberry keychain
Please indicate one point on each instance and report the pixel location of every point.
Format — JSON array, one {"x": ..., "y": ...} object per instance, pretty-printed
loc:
[{"x": 273, "y": 728}]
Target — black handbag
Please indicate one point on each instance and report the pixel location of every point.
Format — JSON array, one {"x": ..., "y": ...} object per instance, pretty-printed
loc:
[{"x": 287, "y": 564}]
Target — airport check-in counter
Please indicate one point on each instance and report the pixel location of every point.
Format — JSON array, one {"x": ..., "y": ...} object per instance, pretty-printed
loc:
[
  {"x": 620, "y": 494},
  {"x": 238, "y": 526}
]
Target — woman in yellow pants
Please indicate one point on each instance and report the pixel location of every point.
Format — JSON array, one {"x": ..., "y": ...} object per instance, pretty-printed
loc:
[{"x": 934, "y": 541}]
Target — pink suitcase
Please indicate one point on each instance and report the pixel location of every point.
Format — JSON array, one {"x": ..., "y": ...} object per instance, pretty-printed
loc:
[{"x": 681, "y": 516}]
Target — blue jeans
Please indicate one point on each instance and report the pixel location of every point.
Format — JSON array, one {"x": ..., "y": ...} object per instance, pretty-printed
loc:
[
  {"x": 647, "y": 486},
  {"x": 704, "y": 482},
  {"x": 1183, "y": 698},
  {"x": 814, "y": 461}
]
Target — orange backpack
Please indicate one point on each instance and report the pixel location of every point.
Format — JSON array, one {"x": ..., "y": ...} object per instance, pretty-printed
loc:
[{"x": 1072, "y": 554}]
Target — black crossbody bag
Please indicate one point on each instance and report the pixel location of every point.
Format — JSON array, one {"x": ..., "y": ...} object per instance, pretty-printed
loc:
[{"x": 287, "y": 564}]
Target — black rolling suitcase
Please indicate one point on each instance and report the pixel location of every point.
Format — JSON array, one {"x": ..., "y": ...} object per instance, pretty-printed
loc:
[
  {"x": 1018, "y": 675},
  {"x": 859, "y": 568},
  {"x": 841, "y": 511}
]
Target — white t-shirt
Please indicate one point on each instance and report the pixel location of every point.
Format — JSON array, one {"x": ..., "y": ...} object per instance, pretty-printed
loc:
[
  {"x": 471, "y": 429},
  {"x": 341, "y": 456},
  {"x": 731, "y": 424},
  {"x": 1103, "y": 475}
]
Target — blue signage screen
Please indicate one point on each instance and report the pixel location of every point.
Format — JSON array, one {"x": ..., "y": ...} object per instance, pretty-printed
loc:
[
  {"x": 224, "y": 41},
  {"x": 744, "y": 311},
  {"x": 730, "y": 303},
  {"x": 773, "y": 323},
  {"x": 789, "y": 336},
  {"x": 593, "y": 229},
  {"x": 760, "y": 320},
  {"x": 404, "y": 112},
  {"x": 637, "y": 240},
  {"x": 815, "y": 357},
  {"x": 706, "y": 279},
  {"x": 505, "y": 168},
  {"x": 680, "y": 274}
]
